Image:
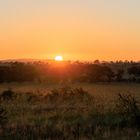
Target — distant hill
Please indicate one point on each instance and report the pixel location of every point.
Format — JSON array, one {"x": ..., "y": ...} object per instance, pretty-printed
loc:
[{"x": 26, "y": 60}]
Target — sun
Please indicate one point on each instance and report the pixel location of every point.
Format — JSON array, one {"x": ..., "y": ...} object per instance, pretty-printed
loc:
[{"x": 58, "y": 58}]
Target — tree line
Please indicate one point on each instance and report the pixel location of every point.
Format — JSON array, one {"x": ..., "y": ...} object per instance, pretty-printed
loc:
[{"x": 70, "y": 72}]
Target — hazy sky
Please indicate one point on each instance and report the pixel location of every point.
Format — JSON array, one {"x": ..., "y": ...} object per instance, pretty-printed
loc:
[{"x": 76, "y": 29}]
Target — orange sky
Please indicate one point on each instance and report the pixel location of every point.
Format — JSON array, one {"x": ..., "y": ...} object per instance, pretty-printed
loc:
[{"x": 77, "y": 30}]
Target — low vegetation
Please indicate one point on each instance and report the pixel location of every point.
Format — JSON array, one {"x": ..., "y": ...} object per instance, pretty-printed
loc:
[{"x": 67, "y": 114}]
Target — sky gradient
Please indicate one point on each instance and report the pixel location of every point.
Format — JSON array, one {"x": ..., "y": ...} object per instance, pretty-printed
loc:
[{"x": 75, "y": 29}]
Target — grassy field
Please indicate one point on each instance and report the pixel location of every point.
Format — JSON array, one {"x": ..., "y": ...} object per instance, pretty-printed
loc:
[
  {"x": 106, "y": 92},
  {"x": 97, "y": 88},
  {"x": 70, "y": 112}
]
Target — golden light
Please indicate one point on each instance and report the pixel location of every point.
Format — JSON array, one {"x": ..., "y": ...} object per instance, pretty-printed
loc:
[{"x": 59, "y": 58}]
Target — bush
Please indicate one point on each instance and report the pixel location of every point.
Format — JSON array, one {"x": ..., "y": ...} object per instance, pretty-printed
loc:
[
  {"x": 7, "y": 95},
  {"x": 69, "y": 98},
  {"x": 127, "y": 107}
]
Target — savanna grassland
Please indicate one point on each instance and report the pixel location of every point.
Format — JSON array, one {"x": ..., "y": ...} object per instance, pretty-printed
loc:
[{"x": 80, "y": 111}]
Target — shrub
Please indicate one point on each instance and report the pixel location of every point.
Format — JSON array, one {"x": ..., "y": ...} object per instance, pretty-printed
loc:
[
  {"x": 127, "y": 107},
  {"x": 76, "y": 98},
  {"x": 7, "y": 95}
]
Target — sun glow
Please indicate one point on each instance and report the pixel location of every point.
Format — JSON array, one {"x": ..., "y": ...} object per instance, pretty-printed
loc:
[{"x": 58, "y": 58}]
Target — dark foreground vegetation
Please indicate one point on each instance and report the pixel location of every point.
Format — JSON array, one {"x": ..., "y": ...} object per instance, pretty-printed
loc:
[
  {"x": 67, "y": 114},
  {"x": 70, "y": 72}
]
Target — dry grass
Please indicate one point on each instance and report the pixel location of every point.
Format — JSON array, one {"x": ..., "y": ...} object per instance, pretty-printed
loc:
[{"x": 40, "y": 111}]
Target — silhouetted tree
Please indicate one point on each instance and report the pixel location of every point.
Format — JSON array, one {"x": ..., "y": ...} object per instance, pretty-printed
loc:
[{"x": 119, "y": 75}]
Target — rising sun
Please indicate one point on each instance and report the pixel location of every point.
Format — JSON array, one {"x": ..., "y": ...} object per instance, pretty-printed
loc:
[{"x": 58, "y": 58}]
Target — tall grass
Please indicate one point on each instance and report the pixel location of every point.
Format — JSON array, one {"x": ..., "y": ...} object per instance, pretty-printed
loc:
[{"x": 67, "y": 114}]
